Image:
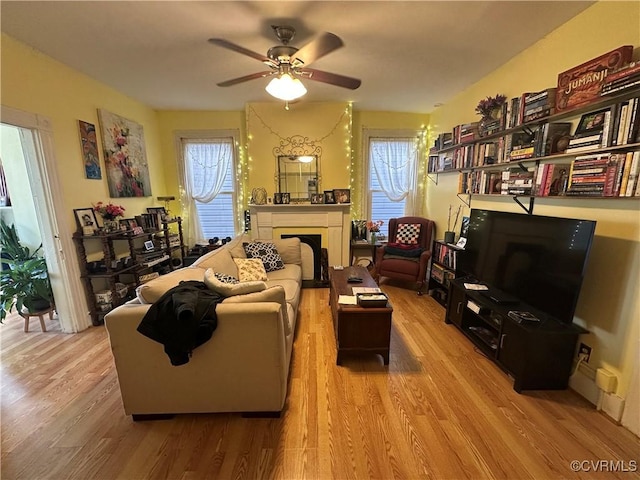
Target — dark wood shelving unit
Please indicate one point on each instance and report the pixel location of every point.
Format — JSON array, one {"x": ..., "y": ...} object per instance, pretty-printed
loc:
[{"x": 113, "y": 267}]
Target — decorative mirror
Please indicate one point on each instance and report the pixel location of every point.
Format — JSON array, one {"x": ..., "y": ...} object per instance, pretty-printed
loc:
[{"x": 298, "y": 165}]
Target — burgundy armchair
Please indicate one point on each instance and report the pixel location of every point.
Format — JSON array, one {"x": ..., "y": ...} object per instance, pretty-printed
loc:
[{"x": 412, "y": 269}]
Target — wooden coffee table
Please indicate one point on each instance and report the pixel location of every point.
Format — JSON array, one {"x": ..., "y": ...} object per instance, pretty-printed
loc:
[{"x": 358, "y": 329}]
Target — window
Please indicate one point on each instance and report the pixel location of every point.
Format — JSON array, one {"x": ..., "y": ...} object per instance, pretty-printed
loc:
[
  {"x": 391, "y": 175},
  {"x": 210, "y": 187}
]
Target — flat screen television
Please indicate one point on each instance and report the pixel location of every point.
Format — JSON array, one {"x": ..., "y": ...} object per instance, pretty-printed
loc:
[{"x": 539, "y": 260}]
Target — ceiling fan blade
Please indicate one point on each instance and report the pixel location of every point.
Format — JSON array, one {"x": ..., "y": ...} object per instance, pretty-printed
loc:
[
  {"x": 253, "y": 76},
  {"x": 221, "y": 42},
  {"x": 332, "y": 78},
  {"x": 316, "y": 48}
]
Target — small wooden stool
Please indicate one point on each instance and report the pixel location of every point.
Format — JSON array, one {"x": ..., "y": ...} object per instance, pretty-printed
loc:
[{"x": 27, "y": 317}]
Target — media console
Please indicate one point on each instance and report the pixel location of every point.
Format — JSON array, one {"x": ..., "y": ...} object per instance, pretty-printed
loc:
[{"x": 538, "y": 355}]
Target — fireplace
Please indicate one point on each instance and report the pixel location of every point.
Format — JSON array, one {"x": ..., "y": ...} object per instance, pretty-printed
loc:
[{"x": 332, "y": 223}]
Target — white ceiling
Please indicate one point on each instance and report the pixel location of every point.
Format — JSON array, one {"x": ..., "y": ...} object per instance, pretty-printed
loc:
[{"x": 409, "y": 55}]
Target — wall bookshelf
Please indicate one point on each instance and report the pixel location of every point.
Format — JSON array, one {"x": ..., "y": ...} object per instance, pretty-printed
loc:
[{"x": 478, "y": 173}]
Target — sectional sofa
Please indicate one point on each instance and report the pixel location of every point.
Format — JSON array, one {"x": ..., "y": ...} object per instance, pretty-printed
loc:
[{"x": 244, "y": 367}]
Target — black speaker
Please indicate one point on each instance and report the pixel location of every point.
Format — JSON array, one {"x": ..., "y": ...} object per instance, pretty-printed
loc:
[{"x": 176, "y": 262}]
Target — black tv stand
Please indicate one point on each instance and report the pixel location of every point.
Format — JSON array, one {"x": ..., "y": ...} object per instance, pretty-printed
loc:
[{"x": 538, "y": 355}]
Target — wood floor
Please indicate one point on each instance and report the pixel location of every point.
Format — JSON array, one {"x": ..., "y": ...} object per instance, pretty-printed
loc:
[{"x": 440, "y": 410}]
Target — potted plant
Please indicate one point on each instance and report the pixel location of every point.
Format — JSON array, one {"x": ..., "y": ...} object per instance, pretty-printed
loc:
[{"x": 24, "y": 277}]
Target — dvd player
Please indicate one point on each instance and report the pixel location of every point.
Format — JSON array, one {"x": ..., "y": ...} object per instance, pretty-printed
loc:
[{"x": 500, "y": 298}]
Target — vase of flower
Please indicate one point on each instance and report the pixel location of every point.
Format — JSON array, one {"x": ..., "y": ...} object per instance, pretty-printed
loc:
[
  {"x": 109, "y": 213},
  {"x": 374, "y": 237}
]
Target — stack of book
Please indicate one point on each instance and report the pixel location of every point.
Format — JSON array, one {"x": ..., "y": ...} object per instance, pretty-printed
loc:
[
  {"x": 622, "y": 79},
  {"x": 538, "y": 105},
  {"x": 516, "y": 181},
  {"x": 588, "y": 175}
]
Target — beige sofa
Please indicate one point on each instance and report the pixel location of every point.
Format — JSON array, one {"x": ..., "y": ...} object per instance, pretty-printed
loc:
[{"x": 244, "y": 367}]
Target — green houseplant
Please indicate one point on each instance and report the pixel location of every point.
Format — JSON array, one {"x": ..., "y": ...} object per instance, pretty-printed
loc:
[{"x": 24, "y": 277}]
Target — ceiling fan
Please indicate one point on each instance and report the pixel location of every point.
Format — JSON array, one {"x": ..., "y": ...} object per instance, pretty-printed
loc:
[{"x": 288, "y": 64}]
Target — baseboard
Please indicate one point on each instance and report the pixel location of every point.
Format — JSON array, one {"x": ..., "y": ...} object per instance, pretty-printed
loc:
[
  {"x": 613, "y": 406},
  {"x": 583, "y": 383}
]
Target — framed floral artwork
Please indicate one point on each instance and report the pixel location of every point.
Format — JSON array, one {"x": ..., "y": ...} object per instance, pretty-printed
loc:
[
  {"x": 125, "y": 156},
  {"x": 90, "y": 155}
]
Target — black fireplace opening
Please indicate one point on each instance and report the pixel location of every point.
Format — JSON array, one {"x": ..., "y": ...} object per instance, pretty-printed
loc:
[{"x": 320, "y": 259}]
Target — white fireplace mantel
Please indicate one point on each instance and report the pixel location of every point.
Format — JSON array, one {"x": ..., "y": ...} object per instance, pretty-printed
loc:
[{"x": 333, "y": 221}]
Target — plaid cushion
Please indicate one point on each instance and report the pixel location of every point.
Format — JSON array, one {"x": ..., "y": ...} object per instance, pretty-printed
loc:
[
  {"x": 266, "y": 252},
  {"x": 408, "y": 233},
  {"x": 226, "y": 278}
]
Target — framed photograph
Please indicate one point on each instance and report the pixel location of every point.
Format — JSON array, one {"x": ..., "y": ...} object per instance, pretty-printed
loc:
[
  {"x": 90, "y": 155},
  {"x": 128, "y": 223},
  {"x": 342, "y": 195},
  {"x": 286, "y": 198},
  {"x": 329, "y": 196},
  {"x": 591, "y": 123},
  {"x": 86, "y": 219},
  {"x": 317, "y": 198},
  {"x": 148, "y": 245},
  {"x": 156, "y": 210},
  {"x": 277, "y": 198}
]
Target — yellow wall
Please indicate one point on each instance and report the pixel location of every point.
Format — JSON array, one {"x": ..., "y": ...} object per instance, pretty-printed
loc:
[
  {"x": 36, "y": 83},
  {"x": 376, "y": 120},
  {"x": 609, "y": 304},
  {"x": 324, "y": 124}
]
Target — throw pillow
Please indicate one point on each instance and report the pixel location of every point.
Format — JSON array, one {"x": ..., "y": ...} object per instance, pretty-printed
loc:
[
  {"x": 219, "y": 260},
  {"x": 228, "y": 289},
  {"x": 288, "y": 248},
  {"x": 226, "y": 278},
  {"x": 408, "y": 233},
  {"x": 250, "y": 269},
  {"x": 266, "y": 252}
]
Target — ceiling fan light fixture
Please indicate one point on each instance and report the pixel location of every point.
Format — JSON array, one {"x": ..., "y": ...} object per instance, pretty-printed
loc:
[{"x": 285, "y": 87}]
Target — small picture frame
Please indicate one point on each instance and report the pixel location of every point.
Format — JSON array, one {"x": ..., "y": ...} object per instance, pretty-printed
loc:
[
  {"x": 149, "y": 246},
  {"x": 277, "y": 199},
  {"x": 86, "y": 220},
  {"x": 591, "y": 123},
  {"x": 329, "y": 197},
  {"x": 157, "y": 211},
  {"x": 286, "y": 198},
  {"x": 342, "y": 195},
  {"x": 317, "y": 198},
  {"x": 138, "y": 230}
]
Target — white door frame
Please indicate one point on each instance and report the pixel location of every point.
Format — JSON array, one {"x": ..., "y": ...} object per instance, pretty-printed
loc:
[{"x": 62, "y": 264}]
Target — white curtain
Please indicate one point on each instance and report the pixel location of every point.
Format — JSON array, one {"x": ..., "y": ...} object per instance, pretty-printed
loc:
[
  {"x": 395, "y": 162},
  {"x": 206, "y": 166}
]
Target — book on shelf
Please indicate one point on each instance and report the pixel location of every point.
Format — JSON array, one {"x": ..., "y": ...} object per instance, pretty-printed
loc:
[
  {"x": 626, "y": 172},
  {"x": 533, "y": 97},
  {"x": 551, "y": 138},
  {"x": 622, "y": 87},
  {"x": 522, "y": 145},
  {"x": 632, "y": 183},
  {"x": 622, "y": 73},
  {"x": 581, "y": 85},
  {"x": 539, "y": 105},
  {"x": 553, "y": 180}
]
